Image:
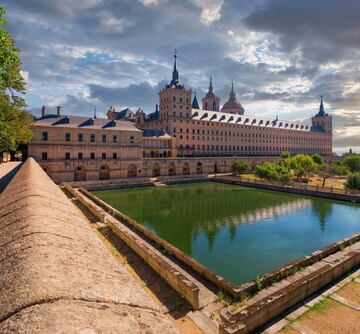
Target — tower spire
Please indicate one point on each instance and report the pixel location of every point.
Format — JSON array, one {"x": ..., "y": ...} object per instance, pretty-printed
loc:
[
  {"x": 175, "y": 74},
  {"x": 211, "y": 88},
  {"x": 232, "y": 93},
  {"x": 321, "y": 109}
]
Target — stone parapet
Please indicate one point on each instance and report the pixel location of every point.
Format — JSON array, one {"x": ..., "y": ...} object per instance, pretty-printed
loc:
[{"x": 56, "y": 274}]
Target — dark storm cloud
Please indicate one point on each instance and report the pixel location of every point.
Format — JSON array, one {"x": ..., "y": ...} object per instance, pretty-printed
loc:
[
  {"x": 324, "y": 30},
  {"x": 88, "y": 53},
  {"x": 133, "y": 95}
]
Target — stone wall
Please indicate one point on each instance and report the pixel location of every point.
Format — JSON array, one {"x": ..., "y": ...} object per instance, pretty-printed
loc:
[
  {"x": 91, "y": 170},
  {"x": 56, "y": 274}
]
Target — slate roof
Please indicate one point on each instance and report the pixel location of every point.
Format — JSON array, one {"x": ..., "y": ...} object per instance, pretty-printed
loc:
[
  {"x": 85, "y": 122},
  {"x": 222, "y": 117},
  {"x": 126, "y": 113},
  {"x": 155, "y": 133}
]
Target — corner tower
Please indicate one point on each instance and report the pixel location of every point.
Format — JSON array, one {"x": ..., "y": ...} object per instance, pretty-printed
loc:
[
  {"x": 175, "y": 99},
  {"x": 211, "y": 101},
  {"x": 322, "y": 121}
]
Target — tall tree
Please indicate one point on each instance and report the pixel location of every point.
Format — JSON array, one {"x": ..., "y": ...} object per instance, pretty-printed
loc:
[{"x": 14, "y": 119}]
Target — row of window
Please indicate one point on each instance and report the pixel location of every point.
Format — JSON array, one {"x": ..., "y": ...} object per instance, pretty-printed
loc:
[
  {"x": 174, "y": 99},
  {"x": 307, "y": 141},
  {"x": 245, "y": 148},
  {"x": 80, "y": 156},
  {"x": 80, "y": 137}
]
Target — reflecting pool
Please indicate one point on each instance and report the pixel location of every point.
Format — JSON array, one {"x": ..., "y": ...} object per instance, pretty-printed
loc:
[{"x": 237, "y": 232}]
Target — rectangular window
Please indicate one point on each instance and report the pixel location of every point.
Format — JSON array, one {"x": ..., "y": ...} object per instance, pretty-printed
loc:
[
  {"x": 114, "y": 155},
  {"x": 80, "y": 137},
  {"x": 44, "y": 156},
  {"x": 67, "y": 136},
  {"x": 104, "y": 138},
  {"x": 80, "y": 155},
  {"x": 132, "y": 139},
  {"x": 92, "y": 155},
  {"x": 67, "y": 155},
  {"x": 114, "y": 139},
  {"x": 92, "y": 138},
  {"x": 44, "y": 135},
  {"x": 103, "y": 156}
]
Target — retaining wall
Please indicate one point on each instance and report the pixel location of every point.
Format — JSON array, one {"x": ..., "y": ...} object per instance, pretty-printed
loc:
[
  {"x": 56, "y": 274},
  {"x": 276, "y": 187},
  {"x": 153, "y": 257},
  {"x": 271, "y": 302}
]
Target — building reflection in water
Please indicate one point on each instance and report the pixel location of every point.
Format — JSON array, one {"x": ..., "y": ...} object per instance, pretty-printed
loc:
[{"x": 181, "y": 214}]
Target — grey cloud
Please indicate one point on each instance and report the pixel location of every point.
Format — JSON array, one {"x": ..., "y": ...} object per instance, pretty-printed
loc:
[{"x": 324, "y": 29}]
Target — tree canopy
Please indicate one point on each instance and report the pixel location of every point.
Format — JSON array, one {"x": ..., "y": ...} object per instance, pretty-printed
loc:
[
  {"x": 14, "y": 119},
  {"x": 352, "y": 161}
]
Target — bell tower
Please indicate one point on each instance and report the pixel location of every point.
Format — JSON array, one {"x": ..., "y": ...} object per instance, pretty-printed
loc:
[{"x": 211, "y": 101}]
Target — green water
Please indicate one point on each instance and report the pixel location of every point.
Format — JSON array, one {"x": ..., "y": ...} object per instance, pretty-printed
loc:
[{"x": 237, "y": 232}]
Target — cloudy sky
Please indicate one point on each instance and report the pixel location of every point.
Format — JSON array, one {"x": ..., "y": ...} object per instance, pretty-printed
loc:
[{"x": 281, "y": 54}]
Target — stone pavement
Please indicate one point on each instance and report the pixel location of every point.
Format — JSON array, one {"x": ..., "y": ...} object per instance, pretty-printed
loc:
[
  {"x": 56, "y": 274},
  {"x": 7, "y": 172}
]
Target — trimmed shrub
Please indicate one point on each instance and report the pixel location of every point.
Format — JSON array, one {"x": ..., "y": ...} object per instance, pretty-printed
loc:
[
  {"x": 353, "y": 182},
  {"x": 239, "y": 166}
]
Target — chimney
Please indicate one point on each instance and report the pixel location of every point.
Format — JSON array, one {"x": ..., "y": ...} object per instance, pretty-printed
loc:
[
  {"x": 43, "y": 111},
  {"x": 58, "y": 111},
  {"x": 157, "y": 108}
]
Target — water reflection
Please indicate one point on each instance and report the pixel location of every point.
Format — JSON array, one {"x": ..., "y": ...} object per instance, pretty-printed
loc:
[
  {"x": 193, "y": 210},
  {"x": 237, "y": 232},
  {"x": 322, "y": 210}
]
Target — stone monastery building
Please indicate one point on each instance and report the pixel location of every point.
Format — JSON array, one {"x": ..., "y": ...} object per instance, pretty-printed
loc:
[
  {"x": 178, "y": 138},
  {"x": 213, "y": 132}
]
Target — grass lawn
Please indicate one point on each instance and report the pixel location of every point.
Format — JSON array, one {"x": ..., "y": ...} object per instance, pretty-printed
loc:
[{"x": 313, "y": 181}]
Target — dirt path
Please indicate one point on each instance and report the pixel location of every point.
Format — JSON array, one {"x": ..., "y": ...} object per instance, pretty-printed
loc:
[{"x": 329, "y": 316}]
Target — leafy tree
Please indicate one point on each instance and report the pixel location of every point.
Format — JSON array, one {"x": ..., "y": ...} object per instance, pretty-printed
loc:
[
  {"x": 325, "y": 171},
  {"x": 274, "y": 172},
  {"x": 352, "y": 161},
  {"x": 239, "y": 166},
  {"x": 302, "y": 165},
  {"x": 353, "y": 182},
  {"x": 339, "y": 167},
  {"x": 318, "y": 159},
  {"x": 14, "y": 120},
  {"x": 285, "y": 155}
]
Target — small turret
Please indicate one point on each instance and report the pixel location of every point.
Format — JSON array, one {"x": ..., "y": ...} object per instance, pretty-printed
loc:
[
  {"x": 43, "y": 111},
  {"x": 195, "y": 103}
]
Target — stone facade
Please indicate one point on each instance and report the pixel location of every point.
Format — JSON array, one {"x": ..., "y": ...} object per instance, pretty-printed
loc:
[
  {"x": 178, "y": 138},
  {"x": 210, "y": 132}
]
